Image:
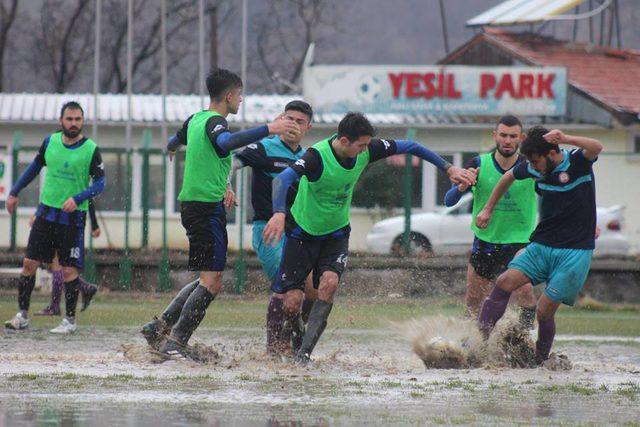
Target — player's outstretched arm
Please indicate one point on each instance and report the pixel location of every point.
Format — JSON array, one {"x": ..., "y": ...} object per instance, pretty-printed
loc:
[
  {"x": 483, "y": 218},
  {"x": 591, "y": 147},
  {"x": 275, "y": 227},
  {"x": 229, "y": 141},
  {"x": 456, "y": 175}
]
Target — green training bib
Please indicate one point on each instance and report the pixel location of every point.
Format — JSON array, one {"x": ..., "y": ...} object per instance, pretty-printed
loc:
[
  {"x": 514, "y": 217},
  {"x": 67, "y": 172},
  {"x": 205, "y": 173},
  {"x": 323, "y": 206}
]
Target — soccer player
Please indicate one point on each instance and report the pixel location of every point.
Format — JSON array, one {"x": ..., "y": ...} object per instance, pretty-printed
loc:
[
  {"x": 268, "y": 158},
  {"x": 87, "y": 290},
  {"x": 514, "y": 220},
  {"x": 207, "y": 165},
  {"x": 317, "y": 228},
  {"x": 75, "y": 174},
  {"x": 562, "y": 243}
]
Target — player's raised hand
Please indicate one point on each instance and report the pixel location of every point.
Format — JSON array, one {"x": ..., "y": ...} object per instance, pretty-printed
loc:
[
  {"x": 463, "y": 187},
  {"x": 272, "y": 232},
  {"x": 483, "y": 218},
  {"x": 12, "y": 203},
  {"x": 461, "y": 176},
  {"x": 280, "y": 126},
  {"x": 555, "y": 136},
  {"x": 230, "y": 200},
  {"x": 70, "y": 205}
]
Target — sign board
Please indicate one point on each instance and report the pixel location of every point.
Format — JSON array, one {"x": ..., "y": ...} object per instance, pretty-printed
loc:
[
  {"x": 5, "y": 176},
  {"x": 436, "y": 90}
]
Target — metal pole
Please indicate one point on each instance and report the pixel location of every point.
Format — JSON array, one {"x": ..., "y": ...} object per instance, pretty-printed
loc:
[
  {"x": 575, "y": 24},
  {"x": 445, "y": 35},
  {"x": 90, "y": 262},
  {"x": 240, "y": 264},
  {"x": 96, "y": 69},
  {"x": 201, "y": 51},
  {"x": 15, "y": 150},
  {"x": 164, "y": 260},
  {"x": 125, "y": 266},
  {"x": 146, "y": 143},
  {"x": 408, "y": 190}
]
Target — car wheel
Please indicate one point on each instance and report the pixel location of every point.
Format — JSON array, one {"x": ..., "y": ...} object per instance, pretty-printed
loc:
[{"x": 420, "y": 245}]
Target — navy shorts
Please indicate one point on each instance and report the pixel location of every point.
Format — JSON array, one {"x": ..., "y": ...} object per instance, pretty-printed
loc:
[
  {"x": 301, "y": 257},
  {"x": 491, "y": 259},
  {"x": 48, "y": 238},
  {"x": 206, "y": 225}
]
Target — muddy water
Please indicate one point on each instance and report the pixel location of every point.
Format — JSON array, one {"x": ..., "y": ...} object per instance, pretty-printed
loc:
[{"x": 360, "y": 377}]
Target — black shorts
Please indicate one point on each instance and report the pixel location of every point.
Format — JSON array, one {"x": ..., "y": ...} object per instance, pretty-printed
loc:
[
  {"x": 490, "y": 259},
  {"x": 206, "y": 225},
  {"x": 46, "y": 238},
  {"x": 301, "y": 257}
]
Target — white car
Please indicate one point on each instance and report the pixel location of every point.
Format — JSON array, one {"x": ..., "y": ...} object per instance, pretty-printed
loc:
[{"x": 448, "y": 231}]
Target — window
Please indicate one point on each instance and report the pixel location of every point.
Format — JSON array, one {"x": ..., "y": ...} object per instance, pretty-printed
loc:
[
  {"x": 382, "y": 185},
  {"x": 113, "y": 197},
  {"x": 156, "y": 181},
  {"x": 30, "y": 195}
]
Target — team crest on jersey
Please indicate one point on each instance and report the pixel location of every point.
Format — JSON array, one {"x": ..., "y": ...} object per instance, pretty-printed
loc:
[{"x": 563, "y": 177}]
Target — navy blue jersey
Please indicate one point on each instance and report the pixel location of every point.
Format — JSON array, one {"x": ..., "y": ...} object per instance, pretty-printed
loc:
[
  {"x": 267, "y": 158},
  {"x": 568, "y": 209}
]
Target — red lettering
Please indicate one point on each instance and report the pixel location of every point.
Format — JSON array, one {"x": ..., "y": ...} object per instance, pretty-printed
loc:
[
  {"x": 487, "y": 82},
  {"x": 525, "y": 85},
  {"x": 505, "y": 85},
  {"x": 440, "y": 87},
  {"x": 428, "y": 81},
  {"x": 544, "y": 85},
  {"x": 413, "y": 85},
  {"x": 396, "y": 83},
  {"x": 451, "y": 88}
]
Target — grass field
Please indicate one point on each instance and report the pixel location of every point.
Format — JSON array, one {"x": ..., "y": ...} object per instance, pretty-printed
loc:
[{"x": 364, "y": 371}]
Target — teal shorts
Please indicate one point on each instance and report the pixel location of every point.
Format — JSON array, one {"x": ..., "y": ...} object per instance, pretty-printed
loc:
[
  {"x": 564, "y": 270},
  {"x": 268, "y": 255}
]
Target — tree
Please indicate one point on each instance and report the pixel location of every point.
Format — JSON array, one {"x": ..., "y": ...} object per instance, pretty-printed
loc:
[
  {"x": 181, "y": 15},
  {"x": 284, "y": 35},
  {"x": 7, "y": 18}
]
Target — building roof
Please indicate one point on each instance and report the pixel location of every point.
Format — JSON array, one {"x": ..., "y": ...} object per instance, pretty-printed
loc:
[
  {"x": 147, "y": 110},
  {"x": 514, "y": 12},
  {"x": 609, "y": 76}
]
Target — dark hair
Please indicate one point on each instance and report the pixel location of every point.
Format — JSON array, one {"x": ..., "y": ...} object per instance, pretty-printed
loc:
[
  {"x": 220, "y": 80},
  {"x": 534, "y": 143},
  {"x": 509, "y": 121},
  {"x": 71, "y": 105},
  {"x": 355, "y": 125},
  {"x": 301, "y": 106}
]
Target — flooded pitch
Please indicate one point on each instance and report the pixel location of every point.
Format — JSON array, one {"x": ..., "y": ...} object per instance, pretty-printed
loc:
[{"x": 360, "y": 377}]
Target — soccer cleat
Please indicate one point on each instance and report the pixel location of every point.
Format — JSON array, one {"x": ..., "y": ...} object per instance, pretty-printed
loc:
[
  {"x": 154, "y": 332},
  {"x": 48, "y": 311},
  {"x": 302, "y": 359},
  {"x": 17, "y": 323},
  {"x": 88, "y": 296},
  {"x": 171, "y": 348},
  {"x": 65, "y": 327}
]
